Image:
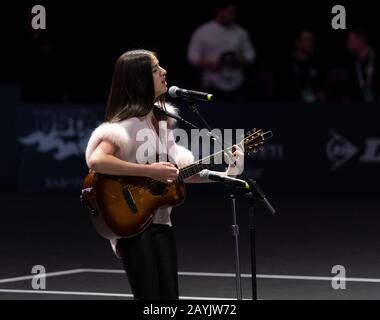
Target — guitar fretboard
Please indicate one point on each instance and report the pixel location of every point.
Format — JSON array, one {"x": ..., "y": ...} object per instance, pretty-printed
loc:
[
  {"x": 190, "y": 170},
  {"x": 206, "y": 163}
]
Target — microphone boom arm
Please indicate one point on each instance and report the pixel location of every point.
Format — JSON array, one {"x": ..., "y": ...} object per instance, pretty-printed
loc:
[{"x": 252, "y": 183}]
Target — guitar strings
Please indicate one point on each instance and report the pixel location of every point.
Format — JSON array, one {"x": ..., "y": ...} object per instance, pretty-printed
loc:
[
  {"x": 152, "y": 181},
  {"x": 215, "y": 154}
]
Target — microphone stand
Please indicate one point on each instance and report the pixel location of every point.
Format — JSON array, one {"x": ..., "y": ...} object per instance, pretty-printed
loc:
[
  {"x": 255, "y": 191},
  {"x": 235, "y": 235}
]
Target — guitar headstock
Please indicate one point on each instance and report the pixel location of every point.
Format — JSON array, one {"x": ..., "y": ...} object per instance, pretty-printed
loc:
[{"x": 254, "y": 140}]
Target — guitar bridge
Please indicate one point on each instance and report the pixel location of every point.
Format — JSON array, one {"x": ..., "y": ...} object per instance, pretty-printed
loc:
[{"x": 128, "y": 197}]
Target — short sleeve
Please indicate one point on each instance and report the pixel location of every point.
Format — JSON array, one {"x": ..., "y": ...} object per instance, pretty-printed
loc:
[{"x": 112, "y": 132}]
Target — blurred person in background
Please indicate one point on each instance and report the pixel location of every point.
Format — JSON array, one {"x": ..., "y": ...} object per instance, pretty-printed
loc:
[
  {"x": 303, "y": 77},
  {"x": 44, "y": 75},
  {"x": 221, "y": 50},
  {"x": 363, "y": 80}
]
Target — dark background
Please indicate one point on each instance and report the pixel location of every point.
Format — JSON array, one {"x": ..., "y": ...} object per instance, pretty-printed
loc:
[{"x": 85, "y": 40}]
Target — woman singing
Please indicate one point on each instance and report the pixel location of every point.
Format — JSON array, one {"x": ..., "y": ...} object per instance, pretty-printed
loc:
[{"x": 134, "y": 104}]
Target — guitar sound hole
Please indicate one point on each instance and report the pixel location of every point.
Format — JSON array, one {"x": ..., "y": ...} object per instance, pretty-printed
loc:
[{"x": 156, "y": 187}]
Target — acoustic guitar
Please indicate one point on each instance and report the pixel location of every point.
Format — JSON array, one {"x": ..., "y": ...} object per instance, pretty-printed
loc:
[{"x": 123, "y": 206}]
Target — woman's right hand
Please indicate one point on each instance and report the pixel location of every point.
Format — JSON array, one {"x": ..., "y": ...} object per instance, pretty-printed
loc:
[{"x": 163, "y": 171}]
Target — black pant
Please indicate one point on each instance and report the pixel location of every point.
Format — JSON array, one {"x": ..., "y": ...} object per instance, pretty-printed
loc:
[{"x": 150, "y": 261}]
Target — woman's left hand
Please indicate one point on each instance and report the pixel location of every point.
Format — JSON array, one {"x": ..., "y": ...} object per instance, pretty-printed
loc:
[{"x": 237, "y": 166}]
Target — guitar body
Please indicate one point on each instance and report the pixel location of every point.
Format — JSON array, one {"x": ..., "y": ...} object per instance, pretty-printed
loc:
[{"x": 123, "y": 206}]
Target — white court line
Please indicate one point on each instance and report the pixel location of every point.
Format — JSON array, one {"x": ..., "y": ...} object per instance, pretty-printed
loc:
[
  {"x": 76, "y": 293},
  {"x": 201, "y": 274},
  {"x": 198, "y": 274},
  {"x": 246, "y": 275},
  {"x": 49, "y": 274},
  {"x": 99, "y": 294},
  {"x": 103, "y": 270}
]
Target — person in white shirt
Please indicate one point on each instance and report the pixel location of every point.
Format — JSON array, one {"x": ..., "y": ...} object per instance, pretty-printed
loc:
[{"x": 221, "y": 49}]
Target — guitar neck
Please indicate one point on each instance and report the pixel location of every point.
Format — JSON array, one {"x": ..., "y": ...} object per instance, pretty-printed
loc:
[{"x": 190, "y": 170}]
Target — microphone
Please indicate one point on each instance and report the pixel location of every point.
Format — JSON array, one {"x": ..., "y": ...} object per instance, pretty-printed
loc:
[
  {"x": 215, "y": 176},
  {"x": 176, "y": 92}
]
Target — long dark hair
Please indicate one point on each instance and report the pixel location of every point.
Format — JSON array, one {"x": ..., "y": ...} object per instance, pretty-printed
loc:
[{"x": 132, "y": 90}]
